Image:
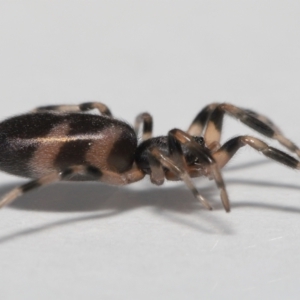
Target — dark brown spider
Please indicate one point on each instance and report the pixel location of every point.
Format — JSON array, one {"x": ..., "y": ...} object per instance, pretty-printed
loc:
[{"x": 55, "y": 143}]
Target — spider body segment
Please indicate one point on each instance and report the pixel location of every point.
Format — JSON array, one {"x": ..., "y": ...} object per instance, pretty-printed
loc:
[
  {"x": 54, "y": 143},
  {"x": 50, "y": 142}
]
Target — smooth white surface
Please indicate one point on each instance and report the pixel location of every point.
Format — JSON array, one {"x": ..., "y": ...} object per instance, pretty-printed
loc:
[{"x": 170, "y": 58}]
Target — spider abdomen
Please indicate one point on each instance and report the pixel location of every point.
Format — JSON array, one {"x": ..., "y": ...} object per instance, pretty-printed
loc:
[{"x": 34, "y": 145}]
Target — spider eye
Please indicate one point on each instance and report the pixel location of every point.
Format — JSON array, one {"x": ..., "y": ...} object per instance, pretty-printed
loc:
[{"x": 199, "y": 140}]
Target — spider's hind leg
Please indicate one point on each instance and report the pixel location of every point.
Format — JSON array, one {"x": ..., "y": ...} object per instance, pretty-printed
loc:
[
  {"x": 147, "y": 121},
  {"x": 102, "y": 108},
  {"x": 48, "y": 179},
  {"x": 92, "y": 172}
]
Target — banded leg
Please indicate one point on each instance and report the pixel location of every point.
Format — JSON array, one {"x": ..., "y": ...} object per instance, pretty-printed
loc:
[
  {"x": 147, "y": 121},
  {"x": 199, "y": 123},
  {"x": 204, "y": 158},
  {"x": 180, "y": 173},
  {"x": 91, "y": 171},
  {"x": 225, "y": 153},
  {"x": 157, "y": 175},
  {"x": 102, "y": 108},
  {"x": 264, "y": 119},
  {"x": 257, "y": 122}
]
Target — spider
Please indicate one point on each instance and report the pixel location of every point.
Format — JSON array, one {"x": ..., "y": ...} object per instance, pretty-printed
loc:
[{"x": 54, "y": 143}]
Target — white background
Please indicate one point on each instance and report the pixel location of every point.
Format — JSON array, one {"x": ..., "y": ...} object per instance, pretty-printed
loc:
[{"x": 170, "y": 58}]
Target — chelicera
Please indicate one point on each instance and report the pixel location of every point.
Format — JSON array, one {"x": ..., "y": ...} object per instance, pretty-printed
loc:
[{"x": 54, "y": 143}]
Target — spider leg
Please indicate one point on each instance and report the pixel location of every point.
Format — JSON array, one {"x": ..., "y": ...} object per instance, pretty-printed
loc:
[
  {"x": 225, "y": 153},
  {"x": 180, "y": 173},
  {"x": 102, "y": 108},
  {"x": 157, "y": 175},
  {"x": 199, "y": 123},
  {"x": 177, "y": 137},
  {"x": 263, "y": 118},
  {"x": 91, "y": 171},
  {"x": 255, "y": 121},
  {"x": 147, "y": 121}
]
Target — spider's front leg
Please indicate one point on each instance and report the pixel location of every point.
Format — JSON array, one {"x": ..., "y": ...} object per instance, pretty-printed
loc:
[
  {"x": 205, "y": 159},
  {"x": 210, "y": 121},
  {"x": 226, "y": 152},
  {"x": 178, "y": 171},
  {"x": 176, "y": 165}
]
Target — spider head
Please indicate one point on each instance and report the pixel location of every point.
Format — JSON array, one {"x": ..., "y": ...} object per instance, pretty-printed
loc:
[
  {"x": 199, "y": 140},
  {"x": 194, "y": 159}
]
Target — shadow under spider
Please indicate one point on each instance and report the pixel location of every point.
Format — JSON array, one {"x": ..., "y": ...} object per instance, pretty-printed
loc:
[
  {"x": 86, "y": 197},
  {"x": 111, "y": 200},
  {"x": 94, "y": 196}
]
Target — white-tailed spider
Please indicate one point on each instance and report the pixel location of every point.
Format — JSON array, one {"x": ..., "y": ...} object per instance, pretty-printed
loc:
[{"x": 54, "y": 143}]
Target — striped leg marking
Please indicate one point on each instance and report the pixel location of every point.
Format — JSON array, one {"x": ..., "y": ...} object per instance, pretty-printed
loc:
[
  {"x": 147, "y": 121},
  {"x": 264, "y": 119},
  {"x": 102, "y": 108},
  {"x": 230, "y": 148},
  {"x": 255, "y": 121},
  {"x": 199, "y": 123}
]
